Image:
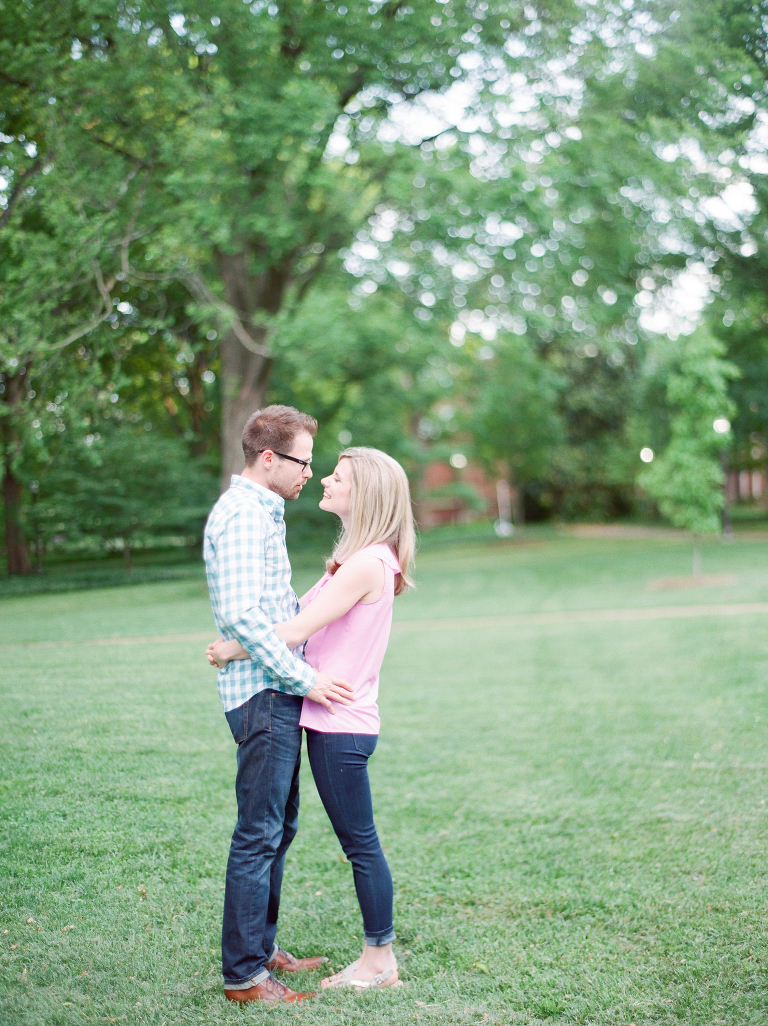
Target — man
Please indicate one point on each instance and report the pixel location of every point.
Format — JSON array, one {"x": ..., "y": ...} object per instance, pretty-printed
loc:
[{"x": 249, "y": 578}]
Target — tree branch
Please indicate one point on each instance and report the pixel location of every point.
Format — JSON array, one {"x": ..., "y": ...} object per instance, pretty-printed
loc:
[
  {"x": 357, "y": 83},
  {"x": 309, "y": 277},
  {"x": 117, "y": 149},
  {"x": 84, "y": 329},
  {"x": 99, "y": 317},
  {"x": 431, "y": 138},
  {"x": 129, "y": 233},
  {"x": 17, "y": 191},
  {"x": 288, "y": 33},
  {"x": 202, "y": 293},
  {"x": 389, "y": 10},
  {"x": 123, "y": 188},
  {"x": 105, "y": 291},
  {"x": 15, "y": 81}
]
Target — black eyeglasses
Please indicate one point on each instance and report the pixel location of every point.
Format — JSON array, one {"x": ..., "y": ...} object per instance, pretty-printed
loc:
[{"x": 294, "y": 459}]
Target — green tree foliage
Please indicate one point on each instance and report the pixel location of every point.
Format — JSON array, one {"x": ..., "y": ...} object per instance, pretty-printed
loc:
[
  {"x": 344, "y": 205},
  {"x": 369, "y": 373},
  {"x": 564, "y": 220},
  {"x": 515, "y": 415},
  {"x": 70, "y": 218},
  {"x": 733, "y": 138},
  {"x": 231, "y": 113},
  {"x": 687, "y": 478},
  {"x": 121, "y": 487}
]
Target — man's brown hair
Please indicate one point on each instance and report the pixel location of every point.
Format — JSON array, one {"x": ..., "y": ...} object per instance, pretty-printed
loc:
[{"x": 274, "y": 427}]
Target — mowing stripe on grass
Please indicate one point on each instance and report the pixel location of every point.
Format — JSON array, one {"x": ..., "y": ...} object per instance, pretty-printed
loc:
[
  {"x": 171, "y": 639},
  {"x": 584, "y": 616},
  {"x": 453, "y": 623}
]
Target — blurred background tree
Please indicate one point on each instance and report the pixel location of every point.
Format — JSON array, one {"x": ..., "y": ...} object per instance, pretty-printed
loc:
[
  {"x": 119, "y": 486},
  {"x": 515, "y": 418},
  {"x": 687, "y": 478},
  {"x": 464, "y": 222}
]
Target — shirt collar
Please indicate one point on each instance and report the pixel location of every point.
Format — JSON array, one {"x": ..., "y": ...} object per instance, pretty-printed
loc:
[{"x": 271, "y": 501}]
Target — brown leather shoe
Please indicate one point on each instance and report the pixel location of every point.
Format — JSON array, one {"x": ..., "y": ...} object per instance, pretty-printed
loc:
[
  {"x": 288, "y": 963},
  {"x": 269, "y": 989}
]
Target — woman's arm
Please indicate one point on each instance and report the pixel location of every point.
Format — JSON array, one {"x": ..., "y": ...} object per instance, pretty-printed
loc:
[
  {"x": 220, "y": 652},
  {"x": 359, "y": 579}
]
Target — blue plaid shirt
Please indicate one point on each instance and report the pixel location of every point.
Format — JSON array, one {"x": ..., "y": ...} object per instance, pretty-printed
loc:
[{"x": 249, "y": 580}]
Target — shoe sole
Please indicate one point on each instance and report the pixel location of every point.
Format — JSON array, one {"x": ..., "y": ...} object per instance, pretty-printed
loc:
[
  {"x": 361, "y": 986},
  {"x": 284, "y": 1001}
]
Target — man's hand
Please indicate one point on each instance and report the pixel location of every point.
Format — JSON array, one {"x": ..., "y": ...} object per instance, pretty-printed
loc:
[{"x": 327, "y": 689}]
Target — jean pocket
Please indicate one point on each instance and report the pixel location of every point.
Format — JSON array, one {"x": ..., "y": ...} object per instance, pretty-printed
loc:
[
  {"x": 284, "y": 712},
  {"x": 238, "y": 722},
  {"x": 365, "y": 743}
]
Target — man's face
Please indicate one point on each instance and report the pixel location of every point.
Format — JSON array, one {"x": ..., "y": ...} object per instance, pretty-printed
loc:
[{"x": 286, "y": 477}]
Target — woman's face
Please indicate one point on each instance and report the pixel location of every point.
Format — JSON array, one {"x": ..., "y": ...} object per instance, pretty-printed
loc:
[{"x": 337, "y": 490}]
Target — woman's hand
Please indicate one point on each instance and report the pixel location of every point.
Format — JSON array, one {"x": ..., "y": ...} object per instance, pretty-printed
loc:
[
  {"x": 209, "y": 653},
  {"x": 221, "y": 652}
]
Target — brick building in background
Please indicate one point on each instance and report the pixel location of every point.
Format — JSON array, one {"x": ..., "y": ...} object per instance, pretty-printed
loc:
[
  {"x": 459, "y": 494},
  {"x": 451, "y": 495},
  {"x": 746, "y": 486}
]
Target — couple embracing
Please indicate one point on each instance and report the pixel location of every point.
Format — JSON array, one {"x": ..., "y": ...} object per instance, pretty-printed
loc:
[{"x": 273, "y": 685}]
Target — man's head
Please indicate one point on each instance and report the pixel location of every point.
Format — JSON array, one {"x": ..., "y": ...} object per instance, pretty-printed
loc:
[{"x": 277, "y": 444}]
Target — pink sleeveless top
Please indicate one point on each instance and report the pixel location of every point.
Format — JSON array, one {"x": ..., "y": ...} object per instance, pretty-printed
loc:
[{"x": 353, "y": 648}]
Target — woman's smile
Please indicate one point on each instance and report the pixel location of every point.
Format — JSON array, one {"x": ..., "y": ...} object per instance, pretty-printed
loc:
[{"x": 337, "y": 490}]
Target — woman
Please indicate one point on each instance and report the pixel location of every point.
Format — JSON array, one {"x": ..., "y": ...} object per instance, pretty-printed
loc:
[{"x": 347, "y": 618}]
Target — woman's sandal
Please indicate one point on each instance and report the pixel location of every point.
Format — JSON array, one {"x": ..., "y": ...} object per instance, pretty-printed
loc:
[{"x": 345, "y": 979}]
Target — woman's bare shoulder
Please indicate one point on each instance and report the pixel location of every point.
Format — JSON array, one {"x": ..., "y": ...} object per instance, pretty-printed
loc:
[{"x": 361, "y": 563}]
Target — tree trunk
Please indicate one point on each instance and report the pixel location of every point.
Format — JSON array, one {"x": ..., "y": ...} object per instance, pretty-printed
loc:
[
  {"x": 515, "y": 498},
  {"x": 15, "y": 541},
  {"x": 245, "y": 367},
  {"x": 34, "y": 488},
  {"x": 518, "y": 508},
  {"x": 503, "y": 525},
  {"x": 726, "y": 519},
  {"x": 244, "y": 385},
  {"x": 127, "y": 556}
]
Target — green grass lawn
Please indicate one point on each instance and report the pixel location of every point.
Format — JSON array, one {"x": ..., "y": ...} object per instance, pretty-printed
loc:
[{"x": 574, "y": 813}]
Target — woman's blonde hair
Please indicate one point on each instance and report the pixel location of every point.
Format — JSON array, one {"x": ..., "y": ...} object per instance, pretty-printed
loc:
[{"x": 379, "y": 511}]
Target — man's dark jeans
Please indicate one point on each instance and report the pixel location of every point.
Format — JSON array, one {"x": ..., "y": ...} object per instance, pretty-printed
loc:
[{"x": 266, "y": 729}]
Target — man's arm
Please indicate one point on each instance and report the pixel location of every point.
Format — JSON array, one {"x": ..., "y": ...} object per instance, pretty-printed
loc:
[{"x": 240, "y": 569}]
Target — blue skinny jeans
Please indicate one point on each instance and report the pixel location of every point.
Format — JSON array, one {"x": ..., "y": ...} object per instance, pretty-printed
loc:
[{"x": 340, "y": 767}]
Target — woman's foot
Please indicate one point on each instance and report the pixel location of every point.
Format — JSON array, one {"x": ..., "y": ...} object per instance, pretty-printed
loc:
[
  {"x": 377, "y": 967},
  {"x": 354, "y": 976}
]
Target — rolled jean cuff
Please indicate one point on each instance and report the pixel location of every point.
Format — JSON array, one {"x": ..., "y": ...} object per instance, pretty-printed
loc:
[
  {"x": 252, "y": 981},
  {"x": 376, "y": 940}
]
